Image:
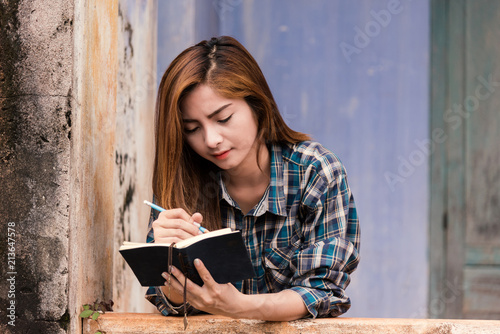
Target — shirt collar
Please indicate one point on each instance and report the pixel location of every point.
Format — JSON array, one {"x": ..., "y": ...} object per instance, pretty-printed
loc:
[
  {"x": 274, "y": 197},
  {"x": 223, "y": 192}
]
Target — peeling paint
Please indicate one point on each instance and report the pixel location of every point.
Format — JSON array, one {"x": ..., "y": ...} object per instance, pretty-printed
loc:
[{"x": 136, "y": 91}]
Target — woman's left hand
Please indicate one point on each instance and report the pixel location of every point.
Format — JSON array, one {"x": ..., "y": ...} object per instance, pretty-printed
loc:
[
  {"x": 225, "y": 299},
  {"x": 212, "y": 297}
]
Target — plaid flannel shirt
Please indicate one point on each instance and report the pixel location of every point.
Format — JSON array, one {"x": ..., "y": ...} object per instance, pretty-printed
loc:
[{"x": 303, "y": 235}]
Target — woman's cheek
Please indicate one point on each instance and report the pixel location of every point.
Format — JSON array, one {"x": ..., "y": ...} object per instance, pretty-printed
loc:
[{"x": 194, "y": 144}]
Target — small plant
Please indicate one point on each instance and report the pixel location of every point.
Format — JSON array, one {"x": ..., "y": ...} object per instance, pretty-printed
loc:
[{"x": 94, "y": 310}]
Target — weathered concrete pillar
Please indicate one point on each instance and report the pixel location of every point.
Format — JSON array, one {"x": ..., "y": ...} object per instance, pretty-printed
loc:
[
  {"x": 36, "y": 104},
  {"x": 76, "y": 117}
]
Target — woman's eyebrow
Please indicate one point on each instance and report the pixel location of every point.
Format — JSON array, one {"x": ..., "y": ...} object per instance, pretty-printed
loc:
[{"x": 187, "y": 120}]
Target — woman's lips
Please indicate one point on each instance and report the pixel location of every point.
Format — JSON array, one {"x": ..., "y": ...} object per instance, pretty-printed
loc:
[{"x": 222, "y": 155}]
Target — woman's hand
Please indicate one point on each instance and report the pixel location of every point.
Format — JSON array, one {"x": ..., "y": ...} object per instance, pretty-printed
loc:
[
  {"x": 175, "y": 225},
  {"x": 225, "y": 299},
  {"x": 214, "y": 298}
]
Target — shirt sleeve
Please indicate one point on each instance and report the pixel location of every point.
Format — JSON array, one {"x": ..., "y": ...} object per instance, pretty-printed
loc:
[
  {"x": 330, "y": 251},
  {"x": 154, "y": 294}
]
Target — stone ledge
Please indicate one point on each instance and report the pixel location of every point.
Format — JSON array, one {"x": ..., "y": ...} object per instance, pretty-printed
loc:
[{"x": 124, "y": 323}]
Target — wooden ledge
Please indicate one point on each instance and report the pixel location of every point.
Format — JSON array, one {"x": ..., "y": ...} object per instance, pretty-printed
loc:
[{"x": 121, "y": 323}]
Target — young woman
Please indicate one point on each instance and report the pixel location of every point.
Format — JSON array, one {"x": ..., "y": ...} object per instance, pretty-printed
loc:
[{"x": 225, "y": 158}]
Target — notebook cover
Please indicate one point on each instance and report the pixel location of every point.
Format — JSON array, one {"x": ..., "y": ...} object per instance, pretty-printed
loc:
[{"x": 225, "y": 257}]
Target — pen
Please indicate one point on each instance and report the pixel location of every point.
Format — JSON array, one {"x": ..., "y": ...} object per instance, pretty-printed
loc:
[{"x": 159, "y": 208}]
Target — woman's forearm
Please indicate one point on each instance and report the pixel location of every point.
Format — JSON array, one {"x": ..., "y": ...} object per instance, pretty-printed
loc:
[{"x": 286, "y": 305}]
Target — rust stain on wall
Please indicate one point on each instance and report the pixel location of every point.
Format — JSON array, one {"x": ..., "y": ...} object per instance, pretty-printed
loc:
[{"x": 97, "y": 147}]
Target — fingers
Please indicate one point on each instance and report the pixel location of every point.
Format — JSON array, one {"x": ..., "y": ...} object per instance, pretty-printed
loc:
[
  {"x": 177, "y": 280},
  {"x": 175, "y": 225},
  {"x": 171, "y": 233},
  {"x": 197, "y": 217},
  {"x": 204, "y": 273},
  {"x": 171, "y": 280},
  {"x": 211, "y": 297},
  {"x": 172, "y": 288},
  {"x": 176, "y": 214}
]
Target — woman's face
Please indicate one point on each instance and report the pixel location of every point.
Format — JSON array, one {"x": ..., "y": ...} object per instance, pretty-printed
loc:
[{"x": 221, "y": 130}]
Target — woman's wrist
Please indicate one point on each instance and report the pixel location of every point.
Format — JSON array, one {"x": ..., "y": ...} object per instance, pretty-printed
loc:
[
  {"x": 173, "y": 297},
  {"x": 251, "y": 306}
]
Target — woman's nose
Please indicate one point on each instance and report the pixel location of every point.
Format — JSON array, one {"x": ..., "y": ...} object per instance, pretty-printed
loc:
[{"x": 212, "y": 137}]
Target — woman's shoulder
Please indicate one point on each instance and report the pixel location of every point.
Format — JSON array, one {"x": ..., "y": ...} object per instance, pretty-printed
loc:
[
  {"x": 309, "y": 152},
  {"x": 313, "y": 155}
]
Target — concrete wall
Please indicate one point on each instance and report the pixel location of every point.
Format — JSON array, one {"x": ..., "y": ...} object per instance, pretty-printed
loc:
[
  {"x": 76, "y": 100},
  {"x": 36, "y": 106}
]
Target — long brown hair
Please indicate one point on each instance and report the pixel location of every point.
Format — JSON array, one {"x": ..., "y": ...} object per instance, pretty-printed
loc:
[{"x": 181, "y": 178}]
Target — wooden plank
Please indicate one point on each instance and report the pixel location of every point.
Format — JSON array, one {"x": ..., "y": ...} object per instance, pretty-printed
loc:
[
  {"x": 482, "y": 292},
  {"x": 438, "y": 180},
  {"x": 455, "y": 156}
]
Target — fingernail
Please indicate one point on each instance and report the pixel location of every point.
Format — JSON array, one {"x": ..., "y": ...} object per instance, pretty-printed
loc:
[
  {"x": 197, "y": 262},
  {"x": 164, "y": 275},
  {"x": 196, "y": 224}
]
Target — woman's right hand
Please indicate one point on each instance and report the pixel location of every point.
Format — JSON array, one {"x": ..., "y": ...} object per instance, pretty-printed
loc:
[{"x": 175, "y": 225}]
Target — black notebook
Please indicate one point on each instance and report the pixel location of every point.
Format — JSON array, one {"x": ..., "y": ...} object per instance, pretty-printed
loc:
[{"x": 223, "y": 253}]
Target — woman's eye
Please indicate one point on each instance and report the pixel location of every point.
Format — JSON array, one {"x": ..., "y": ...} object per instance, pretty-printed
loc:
[
  {"x": 225, "y": 119},
  {"x": 190, "y": 130}
]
